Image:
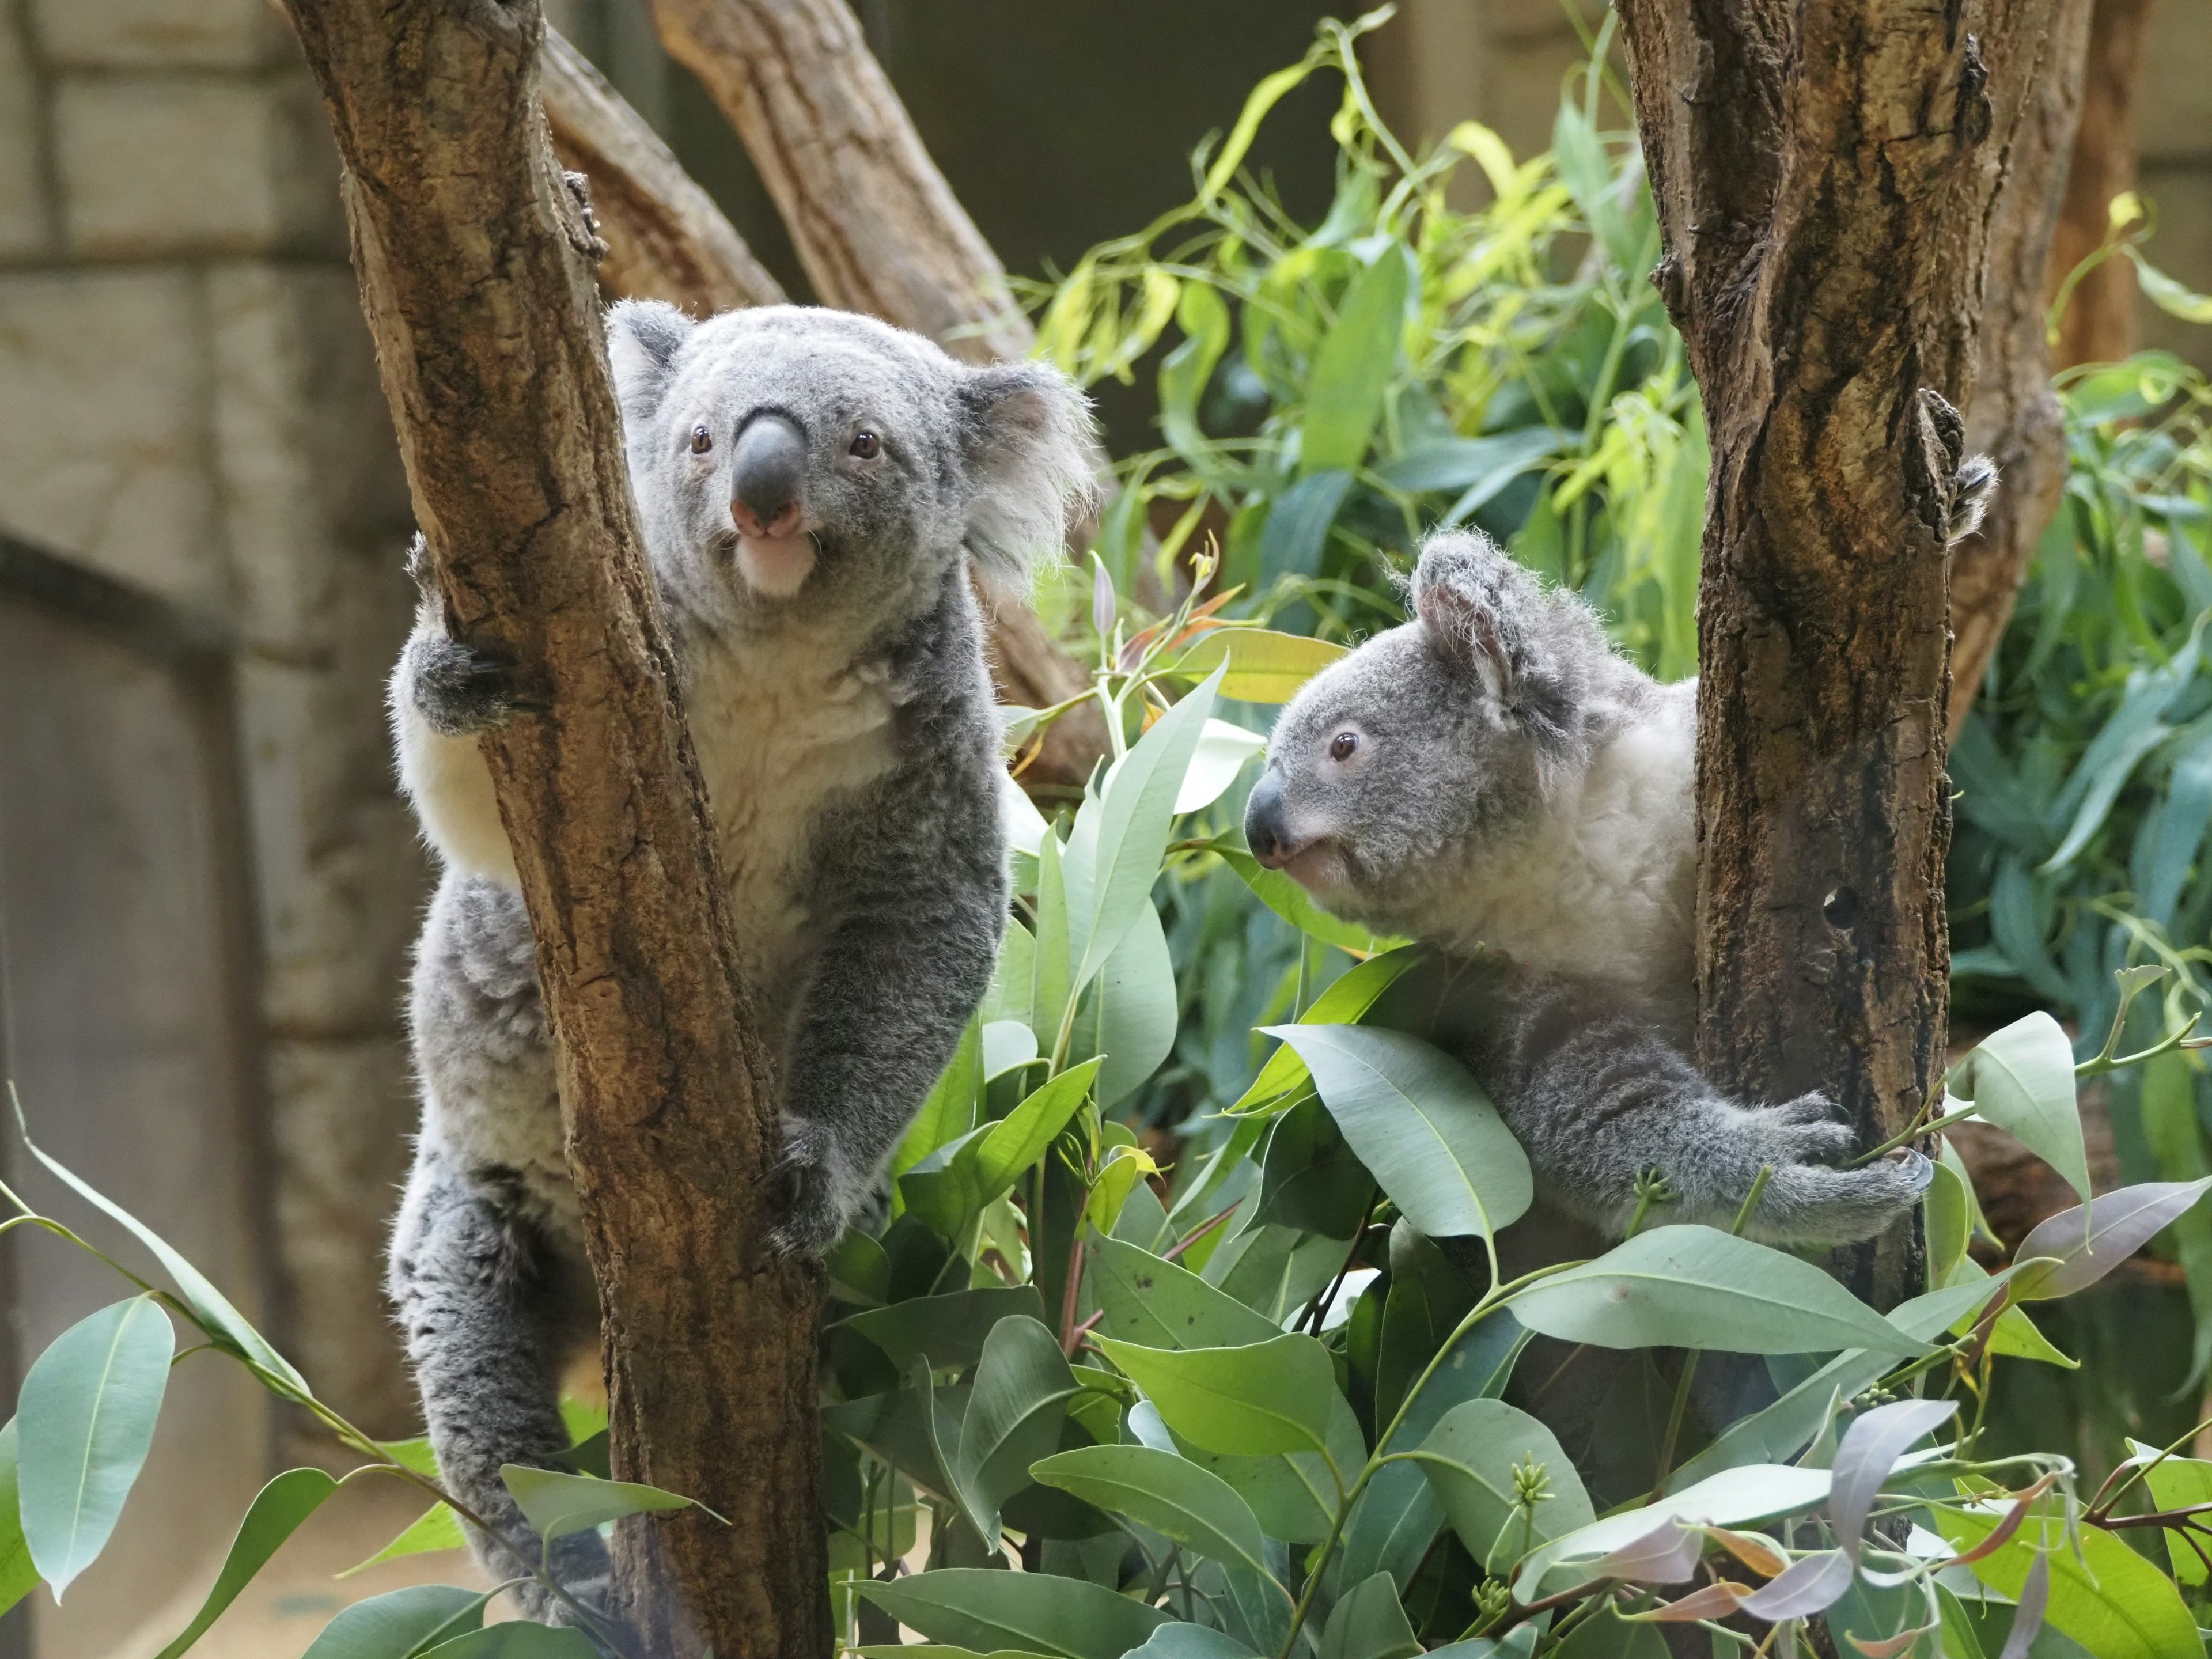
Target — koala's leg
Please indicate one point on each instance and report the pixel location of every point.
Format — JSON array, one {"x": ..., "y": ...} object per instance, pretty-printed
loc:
[
  {"x": 1596, "y": 1097},
  {"x": 483, "y": 1318}
]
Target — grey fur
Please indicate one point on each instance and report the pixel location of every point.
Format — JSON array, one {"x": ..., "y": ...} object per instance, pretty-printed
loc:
[
  {"x": 1512, "y": 790},
  {"x": 858, "y": 828}
]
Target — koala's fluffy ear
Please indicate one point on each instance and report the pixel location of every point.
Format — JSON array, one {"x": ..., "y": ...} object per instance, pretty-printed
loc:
[
  {"x": 643, "y": 337},
  {"x": 1026, "y": 431},
  {"x": 1474, "y": 603}
]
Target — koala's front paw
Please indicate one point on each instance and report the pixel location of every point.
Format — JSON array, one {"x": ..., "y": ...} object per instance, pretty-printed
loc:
[
  {"x": 1808, "y": 1202},
  {"x": 813, "y": 1191},
  {"x": 461, "y": 690}
]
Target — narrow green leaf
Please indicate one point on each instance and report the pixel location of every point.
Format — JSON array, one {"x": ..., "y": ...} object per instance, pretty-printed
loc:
[
  {"x": 2021, "y": 1080},
  {"x": 390, "y": 1626},
  {"x": 1172, "y": 1496},
  {"x": 1019, "y": 1139},
  {"x": 949, "y": 1110},
  {"x": 985, "y": 1609},
  {"x": 18, "y": 1574},
  {"x": 517, "y": 1639},
  {"x": 557, "y": 1504},
  {"x": 1421, "y": 1124},
  {"x": 438, "y": 1528},
  {"x": 1344, "y": 1002},
  {"x": 85, "y": 1423},
  {"x": 1267, "y": 1397},
  {"x": 274, "y": 1516},
  {"x": 1134, "y": 1013},
  {"x": 1015, "y": 1408},
  {"x": 1353, "y": 369},
  {"x": 1690, "y": 1286},
  {"x": 1292, "y": 902}
]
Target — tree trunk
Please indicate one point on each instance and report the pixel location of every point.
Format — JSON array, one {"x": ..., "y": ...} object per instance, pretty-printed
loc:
[
  {"x": 2099, "y": 324},
  {"x": 475, "y": 262},
  {"x": 2016, "y": 418},
  {"x": 1825, "y": 171}
]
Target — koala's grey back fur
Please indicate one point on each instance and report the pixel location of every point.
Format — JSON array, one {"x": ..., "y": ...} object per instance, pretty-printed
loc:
[{"x": 848, "y": 742}]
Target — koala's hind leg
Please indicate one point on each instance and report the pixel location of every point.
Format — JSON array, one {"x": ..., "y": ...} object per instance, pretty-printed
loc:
[{"x": 487, "y": 1319}]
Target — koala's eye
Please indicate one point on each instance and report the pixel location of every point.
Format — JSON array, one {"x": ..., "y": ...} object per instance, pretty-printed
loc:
[
  {"x": 867, "y": 446},
  {"x": 1341, "y": 746},
  {"x": 701, "y": 441}
]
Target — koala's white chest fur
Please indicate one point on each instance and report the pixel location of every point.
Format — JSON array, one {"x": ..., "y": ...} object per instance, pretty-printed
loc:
[
  {"x": 1604, "y": 886},
  {"x": 780, "y": 731}
]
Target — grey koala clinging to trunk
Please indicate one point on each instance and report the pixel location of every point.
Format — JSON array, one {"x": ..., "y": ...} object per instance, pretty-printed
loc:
[
  {"x": 810, "y": 485},
  {"x": 1492, "y": 774}
]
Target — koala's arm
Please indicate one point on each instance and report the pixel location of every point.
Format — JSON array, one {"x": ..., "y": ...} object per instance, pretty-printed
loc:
[
  {"x": 444, "y": 694},
  {"x": 918, "y": 884},
  {"x": 1596, "y": 1096}
]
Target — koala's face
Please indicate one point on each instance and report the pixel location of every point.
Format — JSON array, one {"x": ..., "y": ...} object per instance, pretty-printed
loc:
[
  {"x": 790, "y": 455},
  {"x": 1395, "y": 766},
  {"x": 1380, "y": 774}
]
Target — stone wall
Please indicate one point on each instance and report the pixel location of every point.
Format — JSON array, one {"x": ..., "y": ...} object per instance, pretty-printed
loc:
[{"x": 188, "y": 403}]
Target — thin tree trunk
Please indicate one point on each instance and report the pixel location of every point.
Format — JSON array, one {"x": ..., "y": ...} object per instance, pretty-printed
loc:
[
  {"x": 2016, "y": 418},
  {"x": 475, "y": 262},
  {"x": 2099, "y": 324},
  {"x": 1825, "y": 171}
]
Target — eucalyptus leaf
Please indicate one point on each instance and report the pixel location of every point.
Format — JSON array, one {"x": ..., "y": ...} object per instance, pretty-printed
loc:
[
  {"x": 1015, "y": 1408},
  {"x": 950, "y": 1329},
  {"x": 1367, "y": 1622},
  {"x": 438, "y": 1528},
  {"x": 392, "y": 1625},
  {"x": 2021, "y": 1080},
  {"x": 1270, "y": 1396},
  {"x": 1734, "y": 1498},
  {"x": 1158, "y": 1489},
  {"x": 985, "y": 1609},
  {"x": 1160, "y": 1305},
  {"x": 557, "y": 1504},
  {"x": 18, "y": 1575},
  {"x": 1469, "y": 1458},
  {"x": 274, "y": 1516},
  {"x": 2080, "y": 1249},
  {"x": 1344, "y": 398}
]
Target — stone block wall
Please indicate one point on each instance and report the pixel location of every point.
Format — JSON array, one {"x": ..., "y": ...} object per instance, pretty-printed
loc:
[{"x": 189, "y": 404}]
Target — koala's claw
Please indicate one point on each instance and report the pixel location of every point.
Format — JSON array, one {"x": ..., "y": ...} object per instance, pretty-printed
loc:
[
  {"x": 805, "y": 1190},
  {"x": 463, "y": 690},
  {"x": 1813, "y": 1204}
]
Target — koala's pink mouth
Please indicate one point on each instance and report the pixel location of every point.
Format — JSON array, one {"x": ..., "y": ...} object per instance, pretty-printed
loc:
[
  {"x": 776, "y": 567},
  {"x": 1317, "y": 866}
]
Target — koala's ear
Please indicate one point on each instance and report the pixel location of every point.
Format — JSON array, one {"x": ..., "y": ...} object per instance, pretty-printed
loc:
[
  {"x": 1474, "y": 603},
  {"x": 1025, "y": 432},
  {"x": 643, "y": 337}
]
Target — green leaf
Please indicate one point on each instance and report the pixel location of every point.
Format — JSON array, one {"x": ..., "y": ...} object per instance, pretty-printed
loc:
[
  {"x": 557, "y": 1504},
  {"x": 1172, "y": 1496},
  {"x": 85, "y": 1424},
  {"x": 517, "y": 1639},
  {"x": 1185, "y": 371},
  {"x": 2109, "y": 1599},
  {"x": 1159, "y": 1305},
  {"x": 1134, "y": 1013},
  {"x": 392, "y": 1625},
  {"x": 1309, "y": 1178},
  {"x": 1275, "y": 1270},
  {"x": 949, "y": 1110},
  {"x": 2078, "y": 1250},
  {"x": 1266, "y": 1397},
  {"x": 223, "y": 1324},
  {"x": 1949, "y": 1221},
  {"x": 1052, "y": 964},
  {"x": 1292, "y": 902},
  {"x": 274, "y": 1516},
  {"x": 1015, "y": 1408},
  {"x": 948, "y": 1187},
  {"x": 985, "y": 1608},
  {"x": 1182, "y": 1641},
  {"x": 1737, "y": 1497},
  {"x": 438, "y": 1528},
  {"x": 949, "y": 1330},
  {"x": 1120, "y": 835},
  {"x": 1421, "y": 1124},
  {"x": 1353, "y": 369},
  {"x": 18, "y": 1575},
  {"x": 1299, "y": 522},
  {"x": 1344, "y": 1002},
  {"x": 1292, "y": 1493},
  {"x": 1583, "y": 168},
  {"x": 414, "y": 1453},
  {"x": 1690, "y": 1286},
  {"x": 1262, "y": 665},
  {"x": 1367, "y": 1622},
  {"x": 907, "y": 1428},
  {"x": 2180, "y": 1483},
  {"x": 2021, "y": 1080},
  {"x": 1469, "y": 1458}
]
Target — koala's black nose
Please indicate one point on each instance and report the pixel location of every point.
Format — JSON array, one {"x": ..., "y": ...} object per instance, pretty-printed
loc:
[
  {"x": 767, "y": 475},
  {"x": 1265, "y": 829}
]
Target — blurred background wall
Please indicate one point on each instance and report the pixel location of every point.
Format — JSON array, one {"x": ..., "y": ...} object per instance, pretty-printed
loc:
[{"x": 207, "y": 882}]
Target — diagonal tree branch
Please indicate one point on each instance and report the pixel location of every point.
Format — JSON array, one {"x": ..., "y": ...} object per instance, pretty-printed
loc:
[{"x": 475, "y": 261}]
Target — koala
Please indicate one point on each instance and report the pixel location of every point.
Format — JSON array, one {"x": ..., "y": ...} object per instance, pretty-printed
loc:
[
  {"x": 811, "y": 487},
  {"x": 1493, "y": 774}
]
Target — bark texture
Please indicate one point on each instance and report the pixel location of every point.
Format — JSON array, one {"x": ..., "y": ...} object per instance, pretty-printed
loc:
[
  {"x": 1824, "y": 174},
  {"x": 2015, "y": 418},
  {"x": 476, "y": 268},
  {"x": 2099, "y": 324},
  {"x": 666, "y": 238},
  {"x": 876, "y": 226}
]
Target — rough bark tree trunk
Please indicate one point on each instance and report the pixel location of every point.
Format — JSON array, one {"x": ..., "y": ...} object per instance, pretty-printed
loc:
[
  {"x": 1825, "y": 171},
  {"x": 2016, "y": 418},
  {"x": 475, "y": 263},
  {"x": 2099, "y": 324}
]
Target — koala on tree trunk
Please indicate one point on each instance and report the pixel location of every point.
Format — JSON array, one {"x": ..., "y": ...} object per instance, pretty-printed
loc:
[
  {"x": 809, "y": 486},
  {"x": 1494, "y": 778}
]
